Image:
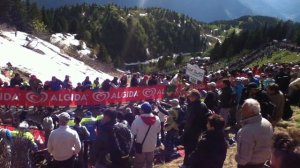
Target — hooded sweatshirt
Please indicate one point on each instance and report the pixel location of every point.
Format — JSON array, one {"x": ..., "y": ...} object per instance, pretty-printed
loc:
[{"x": 140, "y": 127}]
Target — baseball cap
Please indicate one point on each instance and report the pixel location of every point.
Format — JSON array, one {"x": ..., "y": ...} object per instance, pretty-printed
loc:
[
  {"x": 212, "y": 84},
  {"x": 252, "y": 85},
  {"x": 64, "y": 116},
  {"x": 24, "y": 125},
  {"x": 146, "y": 107}
]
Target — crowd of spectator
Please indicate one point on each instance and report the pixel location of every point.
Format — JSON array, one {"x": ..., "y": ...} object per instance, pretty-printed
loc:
[{"x": 250, "y": 101}]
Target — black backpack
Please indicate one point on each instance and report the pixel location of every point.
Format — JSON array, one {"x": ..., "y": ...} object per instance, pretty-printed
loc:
[
  {"x": 80, "y": 131},
  {"x": 123, "y": 139},
  {"x": 267, "y": 109},
  {"x": 287, "y": 111}
]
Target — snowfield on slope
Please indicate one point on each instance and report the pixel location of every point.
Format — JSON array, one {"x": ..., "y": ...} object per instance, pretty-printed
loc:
[{"x": 38, "y": 57}]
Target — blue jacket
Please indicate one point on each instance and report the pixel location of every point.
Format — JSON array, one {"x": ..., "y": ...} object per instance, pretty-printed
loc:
[
  {"x": 56, "y": 85},
  {"x": 90, "y": 124},
  {"x": 238, "y": 89}
]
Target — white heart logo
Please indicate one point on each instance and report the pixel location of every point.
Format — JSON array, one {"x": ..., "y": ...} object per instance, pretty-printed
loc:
[
  {"x": 100, "y": 96},
  {"x": 36, "y": 98},
  {"x": 149, "y": 92}
]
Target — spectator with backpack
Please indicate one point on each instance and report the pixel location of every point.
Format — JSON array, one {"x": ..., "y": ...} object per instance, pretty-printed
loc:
[
  {"x": 145, "y": 128},
  {"x": 276, "y": 97},
  {"x": 90, "y": 123},
  {"x": 267, "y": 107},
  {"x": 83, "y": 134},
  {"x": 115, "y": 140}
]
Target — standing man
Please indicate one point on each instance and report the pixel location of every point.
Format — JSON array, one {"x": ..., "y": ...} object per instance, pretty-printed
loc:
[
  {"x": 226, "y": 100},
  {"x": 90, "y": 123},
  {"x": 145, "y": 128},
  {"x": 172, "y": 129},
  {"x": 195, "y": 124},
  {"x": 212, "y": 97},
  {"x": 254, "y": 139},
  {"x": 64, "y": 143}
]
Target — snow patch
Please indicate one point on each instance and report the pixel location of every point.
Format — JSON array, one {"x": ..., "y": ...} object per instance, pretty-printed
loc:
[
  {"x": 43, "y": 59},
  {"x": 68, "y": 40}
]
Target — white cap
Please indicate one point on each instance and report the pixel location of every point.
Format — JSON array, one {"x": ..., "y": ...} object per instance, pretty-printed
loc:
[{"x": 212, "y": 84}]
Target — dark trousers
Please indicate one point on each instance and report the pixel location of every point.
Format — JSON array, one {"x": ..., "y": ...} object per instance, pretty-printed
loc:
[
  {"x": 120, "y": 163},
  {"x": 170, "y": 143},
  {"x": 47, "y": 134},
  {"x": 189, "y": 147},
  {"x": 252, "y": 166},
  {"x": 86, "y": 150},
  {"x": 65, "y": 164}
]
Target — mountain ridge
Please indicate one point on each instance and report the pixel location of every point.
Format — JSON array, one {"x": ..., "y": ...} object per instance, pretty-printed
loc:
[{"x": 202, "y": 10}]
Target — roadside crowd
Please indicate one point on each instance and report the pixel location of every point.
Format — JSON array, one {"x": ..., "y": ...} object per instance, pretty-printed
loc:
[{"x": 244, "y": 112}]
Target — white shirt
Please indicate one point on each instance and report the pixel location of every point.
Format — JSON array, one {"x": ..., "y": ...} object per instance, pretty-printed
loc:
[{"x": 63, "y": 143}]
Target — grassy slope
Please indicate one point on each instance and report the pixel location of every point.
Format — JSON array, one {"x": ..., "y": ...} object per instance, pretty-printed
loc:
[
  {"x": 282, "y": 56},
  {"x": 291, "y": 126}
]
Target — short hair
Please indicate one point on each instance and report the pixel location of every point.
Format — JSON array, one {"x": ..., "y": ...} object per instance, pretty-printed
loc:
[
  {"x": 274, "y": 87},
  {"x": 216, "y": 121},
  {"x": 286, "y": 148},
  {"x": 77, "y": 119},
  {"x": 253, "y": 105},
  {"x": 194, "y": 92},
  {"x": 226, "y": 82}
]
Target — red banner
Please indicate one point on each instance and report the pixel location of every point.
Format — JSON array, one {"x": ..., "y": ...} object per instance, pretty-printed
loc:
[{"x": 17, "y": 97}]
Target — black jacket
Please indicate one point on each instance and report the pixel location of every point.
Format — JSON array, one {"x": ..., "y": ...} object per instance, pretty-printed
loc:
[
  {"x": 14, "y": 82},
  {"x": 212, "y": 100},
  {"x": 195, "y": 121},
  {"x": 283, "y": 81},
  {"x": 227, "y": 97},
  {"x": 211, "y": 151}
]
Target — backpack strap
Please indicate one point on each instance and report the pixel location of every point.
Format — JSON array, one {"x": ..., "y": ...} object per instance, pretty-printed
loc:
[{"x": 146, "y": 134}]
